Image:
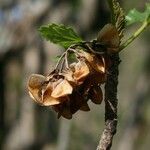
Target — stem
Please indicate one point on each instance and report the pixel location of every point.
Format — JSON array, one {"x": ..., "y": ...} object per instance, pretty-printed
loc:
[
  {"x": 66, "y": 61},
  {"x": 111, "y": 102},
  {"x": 60, "y": 59},
  {"x": 134, "y": 36}
]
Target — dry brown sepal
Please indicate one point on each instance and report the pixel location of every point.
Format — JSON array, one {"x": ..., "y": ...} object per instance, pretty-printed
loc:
[
  {"x": 98, "y": 64},
  {"x": 96, "y": 95},
  {"x": 68, "y": 90},
  {"x": 63, "y": 88},
  {"x": 85, "y": 107}
]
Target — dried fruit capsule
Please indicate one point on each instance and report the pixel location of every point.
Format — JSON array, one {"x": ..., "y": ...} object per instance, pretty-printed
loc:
[
  {"x": 81, "y": 71},
  {"x": 62, "y": 89},
  {"x": 35, "y": 83},
  {"x": 97, "y": 63},
  {"x": 85, "y": 107},
  {"x": 96, "y": 95}
]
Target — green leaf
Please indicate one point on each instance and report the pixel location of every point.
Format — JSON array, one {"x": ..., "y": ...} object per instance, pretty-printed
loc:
[
  {"x": 60, "y": 34},
  {"x": 135, "y": 16}
]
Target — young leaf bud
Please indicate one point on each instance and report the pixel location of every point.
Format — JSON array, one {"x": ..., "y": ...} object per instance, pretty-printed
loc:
[{"x": 109, "y": 37}]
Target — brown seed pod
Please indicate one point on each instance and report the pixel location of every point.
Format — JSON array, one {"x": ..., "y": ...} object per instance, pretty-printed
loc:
[
  {"x": 68, "y": 75},
  {"x": 46, "y": 92},
  {"x": 62, "y": 89},
  {"x": 35, "y": 83},
  {"x": 97, "y": 78},
  {"x": 85, "y": 107},
  {"x": 77, "y": 73},
  {"x": 65, "y": 112},
  {"x": 96, "y": 95},
  {"x": 56, "y": 92},
  {"x": 81, "y": 71},
  {"x": 63, "y": 109},
  {"x": 97, "y": 63},
  {"x": 47, "y": 99},
  {"x": 76, "y": 101}
]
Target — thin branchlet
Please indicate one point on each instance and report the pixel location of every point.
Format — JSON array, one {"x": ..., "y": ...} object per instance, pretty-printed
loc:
[{"x": 111, "y": 100}]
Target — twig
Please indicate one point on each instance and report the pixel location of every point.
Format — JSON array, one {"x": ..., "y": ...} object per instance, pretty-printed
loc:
[
  {"x": 60, "y": 59},
  {"x": 135, "y": 35},
  {"x": 111, "y": 100},
  {"x": 110, "y": 105},
  {"x": 66, "y": 61}
]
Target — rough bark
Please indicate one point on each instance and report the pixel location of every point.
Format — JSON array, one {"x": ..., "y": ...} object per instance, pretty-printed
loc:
[{"x": 111, "y": 102}]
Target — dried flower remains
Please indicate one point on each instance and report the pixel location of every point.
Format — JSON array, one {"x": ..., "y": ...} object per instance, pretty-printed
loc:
[{"x": 73, "y": 82}]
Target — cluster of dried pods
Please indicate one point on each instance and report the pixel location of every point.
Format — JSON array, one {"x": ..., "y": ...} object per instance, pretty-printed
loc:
[{"x": 73, "y": 82}]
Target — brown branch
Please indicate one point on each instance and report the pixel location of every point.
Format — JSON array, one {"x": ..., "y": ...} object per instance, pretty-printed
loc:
[{"x": 110, "y": 105}]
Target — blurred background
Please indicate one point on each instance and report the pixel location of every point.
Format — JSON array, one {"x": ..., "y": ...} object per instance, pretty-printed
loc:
[{"x": 26, "y": 126}]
